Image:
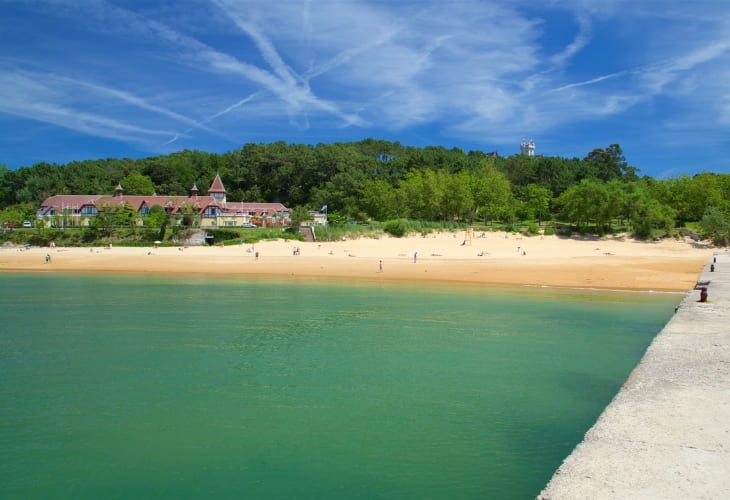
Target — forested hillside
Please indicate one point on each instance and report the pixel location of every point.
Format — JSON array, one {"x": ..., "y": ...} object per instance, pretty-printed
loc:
[{"x": 381, "y": 180}]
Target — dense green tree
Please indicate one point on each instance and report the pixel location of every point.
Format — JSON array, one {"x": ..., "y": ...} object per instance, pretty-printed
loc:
[
  {"x": 643, "y": 211},
  {"x": 137, "y": 184},
  {"x": 649, "y": 214},
  {"x": 414, "y": 193},
  {"x": 659, "y": 190},
  {"x": 88, "y": 177},
  {"x": 104, "y": 221},
  {"x": 175, "y": 174},
  {"x": 117, "y": 169},
  {"x": 610, "y": 163},
  {"x": 379, "y": 200},
  {"x": 458, "y": 202},
  {"x": 296, "y": 175},
  {"x": 716, "y": 226},
  {"x": 124, "y": 215},
  {"x": 14, "y": 182},
  {"x": 537, "y": 198},
  {"x": 6, "y": 195},
  {"x": 691, "y": 196},
  {"x": 723, "y": 186},
  {"x": 157, "y": 217},
  {"x": 491, "y": 193},
  {"x": 45, "y": 180},
  {"x": 615, "y": 204},
  {"x": 382, "y": 151},
  {"x": 16, "y": 214},
  {"x": 582, "y": 204},
  {"x": 519, "y": 169}
]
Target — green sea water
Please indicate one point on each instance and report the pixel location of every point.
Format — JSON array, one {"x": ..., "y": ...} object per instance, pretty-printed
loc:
[{"x": 200, "y": 387}]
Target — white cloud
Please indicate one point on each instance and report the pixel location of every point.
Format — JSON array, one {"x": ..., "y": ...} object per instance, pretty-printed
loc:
[
  {"x": 487, "y": 70},
  {"x": 33, "y": 100},
  {"x": 578, "y": 43},
  {"x": 597, "y": 79},
  {"x": 658, "y": 76}
]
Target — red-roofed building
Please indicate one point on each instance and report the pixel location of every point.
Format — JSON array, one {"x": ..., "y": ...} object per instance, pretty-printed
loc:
[{"x": 210, "y": 211}]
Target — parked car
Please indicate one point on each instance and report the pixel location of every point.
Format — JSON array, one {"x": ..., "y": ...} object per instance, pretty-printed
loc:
[
  {"x": 27, "y": 224},
  {"x": 248, "y": 224},
  {"x": 8, "y": 225}
]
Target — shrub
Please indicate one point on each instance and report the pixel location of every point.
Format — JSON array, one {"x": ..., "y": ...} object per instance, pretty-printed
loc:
[
  {"x": 395, "y": 228},
  {"x": 531, "y": 229},
  {"x": 221, "y": 235}
]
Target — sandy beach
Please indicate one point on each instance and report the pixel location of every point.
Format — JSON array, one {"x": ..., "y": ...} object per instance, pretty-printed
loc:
[{"x": 615, "y": 262}]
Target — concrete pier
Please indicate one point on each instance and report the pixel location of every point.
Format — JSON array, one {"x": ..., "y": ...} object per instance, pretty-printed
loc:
[{"x": 666, "y": 434}]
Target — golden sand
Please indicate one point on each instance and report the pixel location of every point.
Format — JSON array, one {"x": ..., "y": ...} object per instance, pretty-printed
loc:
[{"x": 492, "y": 258}]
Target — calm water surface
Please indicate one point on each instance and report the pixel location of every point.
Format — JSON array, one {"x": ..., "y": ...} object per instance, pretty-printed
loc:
[{"x": 159, "y": 387}]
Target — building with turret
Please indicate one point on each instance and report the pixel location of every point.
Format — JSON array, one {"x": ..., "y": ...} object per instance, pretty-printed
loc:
[
  {"x": 211, "y": 211},
  {"x": 527, "y": 148}
]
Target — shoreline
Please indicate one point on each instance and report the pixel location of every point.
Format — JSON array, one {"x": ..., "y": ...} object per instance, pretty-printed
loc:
[{"x": 492, "y": 258}]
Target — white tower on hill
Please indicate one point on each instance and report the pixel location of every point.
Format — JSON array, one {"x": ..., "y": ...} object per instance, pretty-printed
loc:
[{"x": 528, "y": 148}]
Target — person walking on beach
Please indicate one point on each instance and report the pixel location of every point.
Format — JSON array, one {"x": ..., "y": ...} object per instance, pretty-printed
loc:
[
  {"x": 48, "y": 258},
  {"x": 415, "y": 257},
  {"x": 381, "y": 266}
]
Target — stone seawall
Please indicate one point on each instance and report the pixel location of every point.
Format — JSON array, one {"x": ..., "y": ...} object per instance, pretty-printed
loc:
[{"x": 666, "y": 434}]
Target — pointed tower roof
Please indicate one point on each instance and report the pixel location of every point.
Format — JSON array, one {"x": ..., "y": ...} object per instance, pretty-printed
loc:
[{"x": 217, "y": 186}]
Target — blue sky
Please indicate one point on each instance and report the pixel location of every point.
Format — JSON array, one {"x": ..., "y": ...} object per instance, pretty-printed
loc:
[{"x": 87, "y": 79}]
